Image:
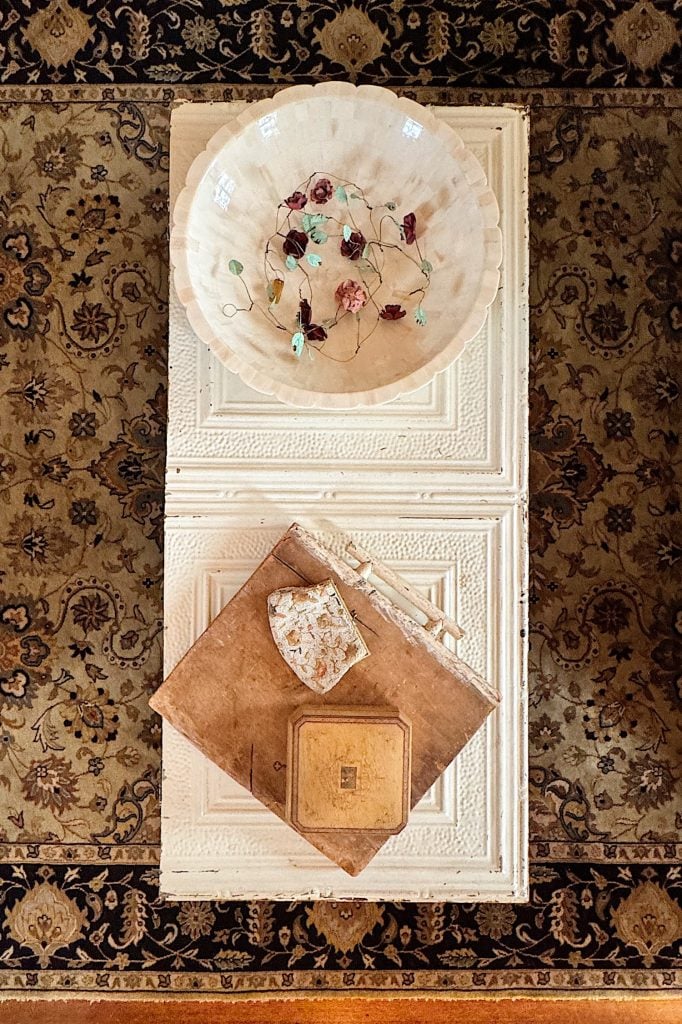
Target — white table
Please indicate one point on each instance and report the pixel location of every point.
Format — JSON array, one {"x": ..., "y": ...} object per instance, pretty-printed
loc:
[{"x": 435, "y": 485}]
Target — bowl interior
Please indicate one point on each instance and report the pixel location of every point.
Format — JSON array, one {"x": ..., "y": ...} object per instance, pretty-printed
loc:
[{"x": 392, "y": 158}]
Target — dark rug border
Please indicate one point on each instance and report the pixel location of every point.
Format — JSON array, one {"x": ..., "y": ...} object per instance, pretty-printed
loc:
[{"x": 480, "y": 43}]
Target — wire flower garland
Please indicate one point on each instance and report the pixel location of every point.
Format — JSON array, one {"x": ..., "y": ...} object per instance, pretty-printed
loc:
[{"x": 366, "y": 235}]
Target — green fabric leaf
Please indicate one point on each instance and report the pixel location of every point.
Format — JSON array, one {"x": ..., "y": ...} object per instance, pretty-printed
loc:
[
  {"x": 313, "y": 220},
  {"x": 341, "y": 194},
  {"x": 313, "y": 259},
  {"x": 291, "y": 263},
  {"x": 235, "y": 267},
  {"x": 297, "y": 343},
  {"x": 318, "y": 235},
  {"x": 347, "y": 232},
  {"x": 420, "y": 316},
  {"x": 426, "y": 266}
]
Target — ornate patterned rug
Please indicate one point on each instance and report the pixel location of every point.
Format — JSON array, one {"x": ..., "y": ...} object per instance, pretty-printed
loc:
[{"x": 83, "y": 269}]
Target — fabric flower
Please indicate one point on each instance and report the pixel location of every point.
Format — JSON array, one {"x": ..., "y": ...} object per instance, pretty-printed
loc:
[
  {"x": 354, "y": 246},
  {"x": 409, "y": 228},
  {"x": 313, "y": 332},
  {"x": 351, "y": 295},
  {"x": 392, "y": 312},
  {"x": 295, "y": 244},
  {"x": 296, "y": 201},
  {"x": 322, "y": 191}
]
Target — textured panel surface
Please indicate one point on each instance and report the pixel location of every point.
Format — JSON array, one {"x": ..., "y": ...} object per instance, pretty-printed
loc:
[
  {"x": 233, "y": 696},
  {"x": 434, "y": 484},
  {"x": 468, "y": 835}
]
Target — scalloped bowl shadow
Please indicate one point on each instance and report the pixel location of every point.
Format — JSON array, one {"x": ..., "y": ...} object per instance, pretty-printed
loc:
[{"x": 394, "y": 149}]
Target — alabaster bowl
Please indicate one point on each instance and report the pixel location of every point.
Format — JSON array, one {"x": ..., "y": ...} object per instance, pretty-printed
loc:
[{"x": 394, "y": 202}]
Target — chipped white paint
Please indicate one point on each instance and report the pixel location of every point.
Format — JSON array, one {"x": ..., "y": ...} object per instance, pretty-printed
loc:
[{"x": 434, "y": 484}]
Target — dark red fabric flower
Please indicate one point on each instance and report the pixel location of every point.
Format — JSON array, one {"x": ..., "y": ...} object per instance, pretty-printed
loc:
[
  {"x": 354, "y": 246},
  {"x": 313, "y": 332},
  {"x": 322, "y": 191},
  {"x": 392, "y": 312},
  {"x": 296, "y": 201},
  {"x": 409, "y": 227},
  {"x": 295, "y": 244}
]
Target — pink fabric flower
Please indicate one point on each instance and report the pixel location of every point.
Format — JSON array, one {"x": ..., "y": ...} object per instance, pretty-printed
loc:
[
  {"x": 296, "y": 201},
  {"x": 322, "y": 191},
  {"x": 351, "y": 295}
]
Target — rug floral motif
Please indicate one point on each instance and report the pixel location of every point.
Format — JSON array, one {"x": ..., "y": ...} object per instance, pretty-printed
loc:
[
  {"x": 83, "y": 296},
  {"x": 83, "y": 321}
]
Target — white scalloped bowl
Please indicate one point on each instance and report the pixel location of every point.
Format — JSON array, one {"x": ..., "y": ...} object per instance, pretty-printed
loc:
[{"x": 395, "y": 150}]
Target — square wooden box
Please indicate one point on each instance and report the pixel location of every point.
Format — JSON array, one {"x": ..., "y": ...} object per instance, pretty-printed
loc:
[{"x": 348, "y": 769}]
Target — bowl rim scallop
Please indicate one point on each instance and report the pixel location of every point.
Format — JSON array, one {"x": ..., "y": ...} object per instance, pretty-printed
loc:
[{"x": 257, "y": 378}]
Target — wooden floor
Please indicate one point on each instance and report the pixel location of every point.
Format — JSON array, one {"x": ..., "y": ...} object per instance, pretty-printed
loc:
[{"x": 347, "y": 1011}]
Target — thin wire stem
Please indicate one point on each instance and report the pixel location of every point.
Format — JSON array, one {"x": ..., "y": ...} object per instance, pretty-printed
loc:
[{"x": 375, "y": 251}]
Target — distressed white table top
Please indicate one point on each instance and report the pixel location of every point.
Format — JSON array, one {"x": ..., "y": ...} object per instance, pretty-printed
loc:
[{"x": 435, "y": 485}]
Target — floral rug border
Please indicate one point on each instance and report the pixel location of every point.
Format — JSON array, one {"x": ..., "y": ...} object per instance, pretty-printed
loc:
[
  {"x": 482, "y": 42},
  {"x": 107, "y": 930},
  {"x": 425, "y": 985},
  {"x": 447, "y": 95},
  {"x": 540, "y": 852}
]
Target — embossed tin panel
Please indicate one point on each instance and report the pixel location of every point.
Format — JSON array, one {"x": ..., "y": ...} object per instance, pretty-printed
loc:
[{"x": 435, "y": 485}]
